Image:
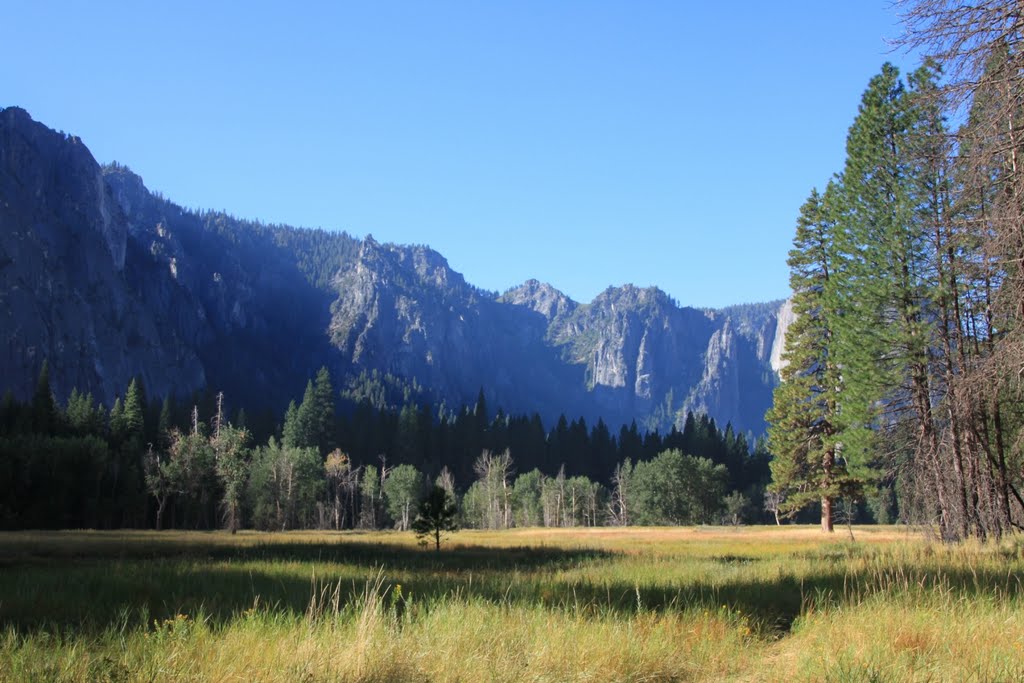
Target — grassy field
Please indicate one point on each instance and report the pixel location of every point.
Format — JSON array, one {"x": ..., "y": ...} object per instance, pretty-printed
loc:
[{"x": 683, "y": 604}]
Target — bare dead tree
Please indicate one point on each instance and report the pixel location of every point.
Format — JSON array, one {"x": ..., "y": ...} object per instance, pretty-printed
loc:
[
  {"x": 772, "y": 501},
  {"x": 618, "y": 506},
  {"x": 980, "y": 46},
  {"x": 493, "y": 471}
]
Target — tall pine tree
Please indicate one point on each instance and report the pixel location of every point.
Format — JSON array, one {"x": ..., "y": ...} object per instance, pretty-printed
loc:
[{"x": 803, "y": 421}]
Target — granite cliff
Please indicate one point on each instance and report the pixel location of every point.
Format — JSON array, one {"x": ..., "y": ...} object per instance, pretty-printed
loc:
[{"x": 109, "y": 281}]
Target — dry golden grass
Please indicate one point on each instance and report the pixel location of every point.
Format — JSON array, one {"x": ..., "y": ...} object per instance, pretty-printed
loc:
[{"x": 657, "y": 604}]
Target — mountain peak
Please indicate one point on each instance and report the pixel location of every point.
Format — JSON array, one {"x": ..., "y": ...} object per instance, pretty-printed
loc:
[
  {"x": 16, "y": 115},
  {"x": 630, "y": 294},
  {"x": 41, "y": 169},
  {"x": 127, "y": 187},
  {"x": 540, "y": 297}
]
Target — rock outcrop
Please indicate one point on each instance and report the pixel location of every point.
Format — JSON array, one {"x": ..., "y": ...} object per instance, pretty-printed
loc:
[
  {"x": 69, "y": 291},
  {"x": 110, "y": 281}
]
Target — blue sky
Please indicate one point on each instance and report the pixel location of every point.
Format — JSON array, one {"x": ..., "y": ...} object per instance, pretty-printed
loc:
[{"x": 585, "y": 144}]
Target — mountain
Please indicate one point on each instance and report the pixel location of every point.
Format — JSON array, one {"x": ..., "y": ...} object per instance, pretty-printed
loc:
[{"x": 109, "y": 280}]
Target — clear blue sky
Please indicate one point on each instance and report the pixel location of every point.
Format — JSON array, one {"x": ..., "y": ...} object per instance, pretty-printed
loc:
[{"x": 585, "y": 144}]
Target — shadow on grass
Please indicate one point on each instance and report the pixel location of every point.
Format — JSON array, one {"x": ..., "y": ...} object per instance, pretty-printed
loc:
[
  {"x": 48, "y": 548},
  {"x": 93, "y": 588},
  {"x": 94, "y": 593}
]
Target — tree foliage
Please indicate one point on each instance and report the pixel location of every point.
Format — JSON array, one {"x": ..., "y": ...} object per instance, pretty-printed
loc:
[
  {"x": 437, "y": 514},
  {"x": 162, "y": 466},
  {"x": 804, "y": 420}
]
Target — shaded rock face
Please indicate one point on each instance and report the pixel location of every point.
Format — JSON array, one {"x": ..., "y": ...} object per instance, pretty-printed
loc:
[
  {"x": 232, "y": 290},
  {"x": 109, "y": 281},
  {"x": 51, "y": 181},
  {"x": 67, "y": 291}
]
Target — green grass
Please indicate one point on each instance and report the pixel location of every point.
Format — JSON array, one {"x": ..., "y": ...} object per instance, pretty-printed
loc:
[{"x": 538, "y": 604}]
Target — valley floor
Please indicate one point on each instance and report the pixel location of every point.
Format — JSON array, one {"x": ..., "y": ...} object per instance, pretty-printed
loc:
[{"x": 665, "y": 604}]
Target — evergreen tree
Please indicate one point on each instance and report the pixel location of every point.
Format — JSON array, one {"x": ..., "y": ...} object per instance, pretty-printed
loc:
[
  {"x": 132, "y": 424},
  {"x": 165, "y": 422},
  {"x": 803, "y": 418},
  {"x": 291, "y": 433},
  {"x": 885, "y": 287},
  {"x": 870, "y": 244},
  {"x": 631, "y": 444},
  {"x": 408, "y": 436},
  {"x": 305, "y": 431},
  {"x": 312, "y": 423},
  {"x": 115, "y": 421},
  {"x": 321, "y": 414},
  {"x": 480, "y": 408},
  {"x": 436, "y": 515},
  {"x": 84, "y": 417}
]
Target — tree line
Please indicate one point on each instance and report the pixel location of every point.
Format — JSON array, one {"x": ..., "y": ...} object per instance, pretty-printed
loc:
[
  {"x": 905, "y": 361},
  {"x": 333, "y": 465}
]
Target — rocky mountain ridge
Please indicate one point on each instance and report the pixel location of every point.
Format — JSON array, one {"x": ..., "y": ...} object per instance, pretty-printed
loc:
[{"x": 108, "y": 281}]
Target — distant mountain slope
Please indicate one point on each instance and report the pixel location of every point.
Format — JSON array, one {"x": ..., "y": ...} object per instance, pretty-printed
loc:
[{"x": 109, "y": 280}]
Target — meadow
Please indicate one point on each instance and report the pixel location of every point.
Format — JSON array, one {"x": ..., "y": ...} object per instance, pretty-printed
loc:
[{"x": 605, "y": 604}]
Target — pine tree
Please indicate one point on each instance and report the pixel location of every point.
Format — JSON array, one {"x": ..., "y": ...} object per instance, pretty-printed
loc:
[
  {"x": 290, "y": 432},
  {"x": 803, "y": 418},
  {"x": 885, "y": 286},
  {"x": 132, "y": 415},
  {"x": 312, "y": 424},
  {"x": 480, "y": 408},
  {"x": 305, "y": 419},
  {"x": 83, "y": 415},
  {"x": 436, "y": 515},
  {"x": 872, "y": 254},
  {"x": 407, "y": 436},
  {"x": 322, "y": 412},
  {"x": 116, "y": 420}
]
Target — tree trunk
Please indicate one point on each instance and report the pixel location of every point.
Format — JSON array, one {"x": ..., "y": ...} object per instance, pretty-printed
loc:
[
  {"x": 160, "y": 512},
  {"x": 827, "y": 463}
]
